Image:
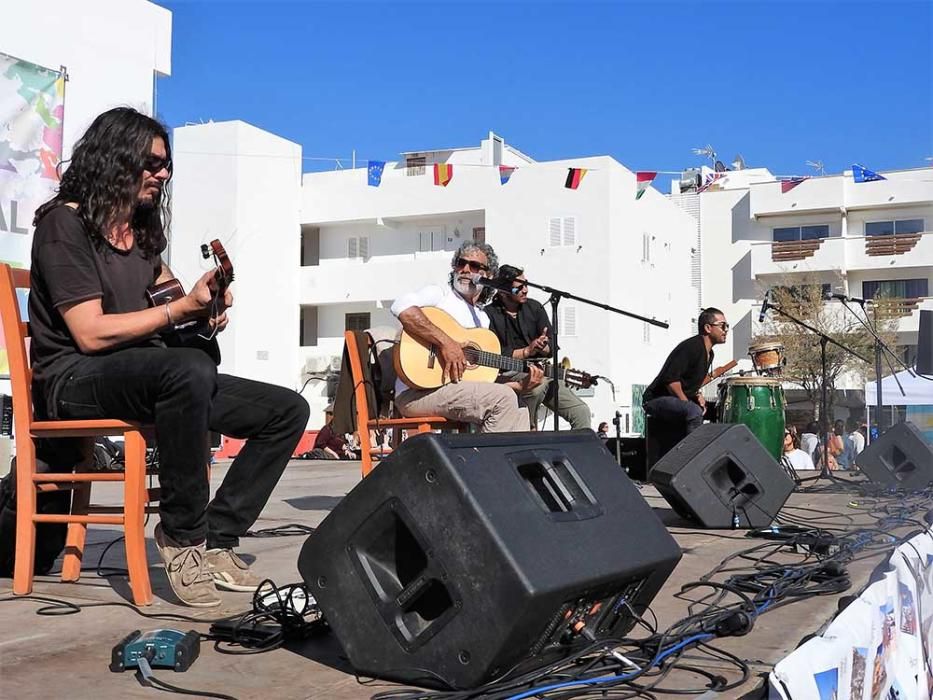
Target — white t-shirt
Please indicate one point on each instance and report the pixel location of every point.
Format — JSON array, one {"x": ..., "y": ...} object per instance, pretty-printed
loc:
[
  {"x": 798, "y": 459},
  {"x": 446, "y": 299},
  {"x": 808, "y": 443},
  {"x": 859, "y": 440}
]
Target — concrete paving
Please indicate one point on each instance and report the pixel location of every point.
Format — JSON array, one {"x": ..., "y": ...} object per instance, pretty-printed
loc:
[{"x": 68, "y": 656}]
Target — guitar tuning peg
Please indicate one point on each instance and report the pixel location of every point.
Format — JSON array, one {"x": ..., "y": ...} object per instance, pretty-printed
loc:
[{"x": 205, "y": 251}]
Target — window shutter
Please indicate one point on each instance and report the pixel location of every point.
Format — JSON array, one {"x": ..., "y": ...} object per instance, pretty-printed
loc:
[
  {"x": 555, "y": 232},
  {"x": 570, "y": 230},
  {"x": 568, "y": 325},
  {"x": 351, "y": 247},
  {"x": 364, "y": 247}
]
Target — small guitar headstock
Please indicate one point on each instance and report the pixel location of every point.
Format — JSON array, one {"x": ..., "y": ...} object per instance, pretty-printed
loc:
[
  {"x": 578, "y": 378},
  {"x": 224, "y": 272}
]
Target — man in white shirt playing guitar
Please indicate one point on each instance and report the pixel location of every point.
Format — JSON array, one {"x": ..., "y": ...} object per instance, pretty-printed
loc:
[{"x": 491, "y": 406}]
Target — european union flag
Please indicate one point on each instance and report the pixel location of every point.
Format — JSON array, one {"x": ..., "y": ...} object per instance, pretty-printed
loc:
[
  {"x": 862, "y": 174},
  {"x": 375, "y": 172}
]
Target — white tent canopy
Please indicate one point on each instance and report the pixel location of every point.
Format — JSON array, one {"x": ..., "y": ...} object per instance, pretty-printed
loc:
[{"x": 919, "y": 391}]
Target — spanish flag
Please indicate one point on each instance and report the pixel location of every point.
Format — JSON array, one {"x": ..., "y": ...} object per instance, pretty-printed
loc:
[
  {"x": 574, "y": 177},
  {"x": 443, "y": 174}
]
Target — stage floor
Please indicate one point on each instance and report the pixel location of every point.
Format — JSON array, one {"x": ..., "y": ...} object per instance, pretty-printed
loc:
[{"x": 68, "y": 656}]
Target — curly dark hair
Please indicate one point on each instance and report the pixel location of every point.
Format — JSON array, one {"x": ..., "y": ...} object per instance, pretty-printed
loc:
[{"x": 104, "y": 174}]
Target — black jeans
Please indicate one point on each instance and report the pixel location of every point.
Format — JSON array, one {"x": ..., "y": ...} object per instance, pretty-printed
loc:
[
  {"x": 672, "y": 410},
  {"x": 180, "y": 391}
]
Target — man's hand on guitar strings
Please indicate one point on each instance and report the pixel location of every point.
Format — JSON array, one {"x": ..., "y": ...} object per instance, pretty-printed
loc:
[
  {"x": 534, "y": 377},
  {"x": 452, "y": 360}
]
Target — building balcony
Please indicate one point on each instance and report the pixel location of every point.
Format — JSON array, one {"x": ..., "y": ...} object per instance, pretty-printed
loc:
[
  {"x": 338, "y": 281},
  {"x": 842, "y": 255},
  {"x": 887, "y": 252},
  {"x": 900, "y": 189},
  {"x": 798, "y": 257},
  {"x": 815, "y": 195}
]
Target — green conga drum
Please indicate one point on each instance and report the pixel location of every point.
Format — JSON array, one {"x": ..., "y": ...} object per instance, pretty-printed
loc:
[{"x": 757, "y": 402}]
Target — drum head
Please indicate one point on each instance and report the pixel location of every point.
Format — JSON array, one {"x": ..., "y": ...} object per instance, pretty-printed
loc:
[{"x": 764, "y": 347}]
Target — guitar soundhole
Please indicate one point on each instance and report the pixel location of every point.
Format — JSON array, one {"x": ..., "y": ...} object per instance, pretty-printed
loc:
[{"x": 471, "y": 353}]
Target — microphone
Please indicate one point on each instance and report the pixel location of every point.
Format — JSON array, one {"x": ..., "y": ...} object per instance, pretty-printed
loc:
[
  {"x": 843, "y": 297},
  {"x": 765, "y": 305},
  {"x": 479, "y": 281}
]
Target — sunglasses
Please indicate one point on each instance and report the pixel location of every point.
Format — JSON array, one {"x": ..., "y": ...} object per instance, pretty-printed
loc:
[
  {"x": 518, "y": 286},
  {"x": 721, "y": 324},
  {"x": 154, "y": 164},
  {"x": 474, "y": 265}
]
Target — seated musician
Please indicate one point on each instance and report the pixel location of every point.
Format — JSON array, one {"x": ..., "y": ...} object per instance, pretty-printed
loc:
[
  {"x": 674, "y": 396},
  {"x": 523, "y": 328},
  {"x": 492, "y": 406},
  {"x": 97, "y": 352}
]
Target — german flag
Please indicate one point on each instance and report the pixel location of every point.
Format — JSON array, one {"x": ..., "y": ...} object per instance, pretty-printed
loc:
[
  {"x": 443, "y": 174},
  {"x": 574, "y": 177}
]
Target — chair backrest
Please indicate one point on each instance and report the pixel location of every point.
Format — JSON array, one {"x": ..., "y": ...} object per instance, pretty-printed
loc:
[
  {"x": 360, "y": 383},
  {"x": 15, "y": 332}
]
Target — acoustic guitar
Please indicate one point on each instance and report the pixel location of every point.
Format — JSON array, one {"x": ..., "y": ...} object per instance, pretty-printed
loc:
[
  {"x": 419, "y": 366},
  {"x": 171, "y": 290}
]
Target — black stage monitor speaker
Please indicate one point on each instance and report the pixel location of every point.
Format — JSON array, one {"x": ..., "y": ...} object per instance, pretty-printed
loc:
[
  {"x": 462, "y": 556},
  {"x": 900, "y": 458},
  {"x": 925, "y": 344},
  {"x": 721, "y": 476}
]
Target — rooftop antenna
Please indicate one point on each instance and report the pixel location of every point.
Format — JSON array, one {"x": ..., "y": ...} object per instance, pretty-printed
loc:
[
  {"x": 818, "y": 166},
  {"x": 707, "y": 152},
  {"x": 739, "y": 163}
]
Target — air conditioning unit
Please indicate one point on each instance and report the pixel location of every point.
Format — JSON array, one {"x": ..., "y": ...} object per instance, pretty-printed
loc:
[{"x": 690, "y": 180}]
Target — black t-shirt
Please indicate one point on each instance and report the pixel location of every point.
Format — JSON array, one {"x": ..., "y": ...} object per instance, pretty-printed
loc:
[
  {"x": 687, "y": 364},
  {"x": 518, "y": 332},
  {"x": 68, "y": 268}
]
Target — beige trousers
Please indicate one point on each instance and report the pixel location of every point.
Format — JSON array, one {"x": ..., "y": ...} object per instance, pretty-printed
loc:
[{"x": 492, "y": 407}]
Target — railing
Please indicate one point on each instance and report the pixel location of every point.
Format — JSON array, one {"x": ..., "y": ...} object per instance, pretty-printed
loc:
[
  {"x": 783, "y": 251},
  {"x": 891, "y": 245},
  {"x": 900, "y": 308}
]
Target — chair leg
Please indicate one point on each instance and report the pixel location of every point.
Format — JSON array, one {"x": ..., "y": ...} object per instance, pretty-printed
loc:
[
  {"x": 135, "y": 496},
  {"x": 25, "y": 555},
  {"x": 77, "y": 532},
  {"x": 366, "y": 451}
]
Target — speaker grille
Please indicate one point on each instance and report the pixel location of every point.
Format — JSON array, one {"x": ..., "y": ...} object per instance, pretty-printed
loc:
[{"x": 925, "y": 343}]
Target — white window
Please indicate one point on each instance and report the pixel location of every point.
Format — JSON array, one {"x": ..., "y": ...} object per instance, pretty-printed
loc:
[
  {"x": 414, "y": 165},
  {"x": 358, "y": 247},
  {"x": 646, "y": 247},
  {"x": 567, "y": 318},
  {"x": 646, "y": 333},
  {"x": 562, "y": 231},
  {"x": 432, "y": 239}
]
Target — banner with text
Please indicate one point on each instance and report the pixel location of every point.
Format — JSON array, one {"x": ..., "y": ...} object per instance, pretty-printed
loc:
[{"x": 32, "y": 107}]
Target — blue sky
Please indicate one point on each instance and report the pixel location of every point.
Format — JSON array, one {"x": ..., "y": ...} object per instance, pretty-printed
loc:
[{"x": 780, "y": 82}]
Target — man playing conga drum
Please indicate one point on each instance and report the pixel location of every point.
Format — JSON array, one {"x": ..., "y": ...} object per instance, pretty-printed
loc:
[{"x": 674, "y": 395}]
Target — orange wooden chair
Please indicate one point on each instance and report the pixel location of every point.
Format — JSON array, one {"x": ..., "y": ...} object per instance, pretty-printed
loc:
[
  {"x": 364, "y": 423},
  {"x": 29, "y": 483}
]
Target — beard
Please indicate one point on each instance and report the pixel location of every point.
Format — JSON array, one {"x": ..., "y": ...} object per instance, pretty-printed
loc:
[{"x": 464, "y": 286}]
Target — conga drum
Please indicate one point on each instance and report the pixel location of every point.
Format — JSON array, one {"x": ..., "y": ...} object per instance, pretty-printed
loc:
[
  {"x": 757, "y": 402},
  {"x": 768, "y": 358}
]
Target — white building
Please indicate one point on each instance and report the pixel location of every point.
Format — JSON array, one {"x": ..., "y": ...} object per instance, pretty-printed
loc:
[
  {"x": 307, "y": 273},
  {"x": 861, "y": 239}
]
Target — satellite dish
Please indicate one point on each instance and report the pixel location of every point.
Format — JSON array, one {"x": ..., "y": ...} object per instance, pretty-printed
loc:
[
  {"x": 739, "y": 163},
  {"x": 719, "y": 167}
]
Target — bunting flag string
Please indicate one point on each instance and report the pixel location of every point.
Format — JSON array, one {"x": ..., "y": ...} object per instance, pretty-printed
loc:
[
  {"x": 374, "y": 177},
  {"x": 710, "y": 179},
  {"x": 642, "y": 180},
  {"x": 862, "y": 174},
  {"x": 789, "y": 183},
  {"x": 505, "y": 172},
  {"x": 443, "y": 174},
  {"x": 574, "y": 178}
]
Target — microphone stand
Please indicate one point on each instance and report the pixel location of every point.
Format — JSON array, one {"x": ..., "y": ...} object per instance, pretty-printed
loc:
[
  {"x": 556, "y": 296},
  {"x": 824, "y": 340},
  {"x": 880, "y": 347}
]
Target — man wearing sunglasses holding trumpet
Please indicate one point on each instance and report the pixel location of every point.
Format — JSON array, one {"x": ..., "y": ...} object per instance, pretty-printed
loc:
[{"x": 493, "y": 407}]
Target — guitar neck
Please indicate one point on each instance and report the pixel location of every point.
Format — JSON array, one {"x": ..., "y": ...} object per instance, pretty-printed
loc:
[{"x": 505, "y": 363}]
